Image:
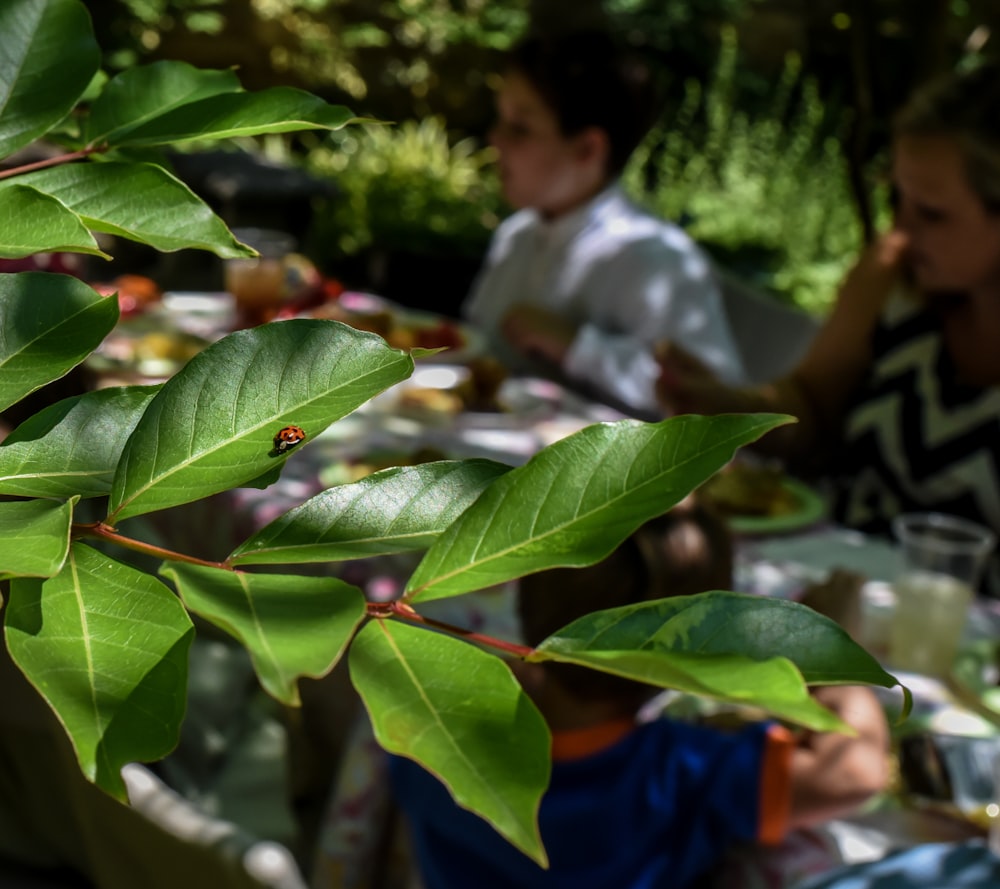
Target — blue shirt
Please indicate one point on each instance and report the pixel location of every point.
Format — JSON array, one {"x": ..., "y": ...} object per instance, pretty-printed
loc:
[{"x": 654, "y": 810}]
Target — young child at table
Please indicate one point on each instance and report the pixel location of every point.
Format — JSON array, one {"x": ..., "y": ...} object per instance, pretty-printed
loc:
[
  {"x": 654, "y": 804},
  {"x": 580, "y": 280}
]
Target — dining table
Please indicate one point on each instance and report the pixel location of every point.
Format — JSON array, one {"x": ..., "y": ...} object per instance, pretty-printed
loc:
[{"x": 355, "y": 839}]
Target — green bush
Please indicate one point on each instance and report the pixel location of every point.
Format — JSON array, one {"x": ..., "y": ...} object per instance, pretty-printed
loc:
[
  {"x": 405, "y": 187},
  {"x": 768, "y": 194}
]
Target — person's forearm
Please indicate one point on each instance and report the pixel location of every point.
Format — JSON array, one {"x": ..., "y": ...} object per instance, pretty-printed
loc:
[{"x": 784, "y": 396}]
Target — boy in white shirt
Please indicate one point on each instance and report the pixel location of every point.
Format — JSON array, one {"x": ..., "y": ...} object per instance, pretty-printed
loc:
[{"x": 580, "y": 278}]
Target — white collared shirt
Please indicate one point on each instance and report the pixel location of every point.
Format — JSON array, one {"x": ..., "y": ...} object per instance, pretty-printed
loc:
[{"x": 627, "y": 278}]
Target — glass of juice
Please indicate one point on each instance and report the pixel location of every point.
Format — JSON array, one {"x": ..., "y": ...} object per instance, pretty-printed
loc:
[{"x": 943, "y": 557}]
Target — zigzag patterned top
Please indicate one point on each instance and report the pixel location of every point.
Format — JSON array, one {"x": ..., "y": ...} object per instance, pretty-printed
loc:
[{"x": 916, "y": 437}]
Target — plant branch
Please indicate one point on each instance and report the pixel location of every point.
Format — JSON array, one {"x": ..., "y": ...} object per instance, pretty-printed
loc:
[
  {"x": 405, "y": 612},
  {"x": 48, "y": 162},
  {"x": 106, "y": 532}
]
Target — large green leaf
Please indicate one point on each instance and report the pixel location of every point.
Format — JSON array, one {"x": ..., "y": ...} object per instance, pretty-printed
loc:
[
  {"x": 459, "y": 712},
  {"x": 73, "y": 446},
  {"x": 48, "y": 55},
  {"x": 34, "y": 537},
  {"x": 774, "y": 686},
  {"x": 32, "y": 222},
  {"x": 725, "y": 623},
  {"x": 292, "y": 626},
  {"x": 575, "y": 501},
  {"x": 280, "y": 109},
  {"x": 146, "y": 92},
  {"x": 142, "y": 202},
  {"x": 107, "y": 646},
  {"x": 211, "y": 427},
  {"x": 395, "y": 510},
  {"x": 50, "y": 324}
]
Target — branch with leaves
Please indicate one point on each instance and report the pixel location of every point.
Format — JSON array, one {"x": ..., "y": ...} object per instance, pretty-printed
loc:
[{"x": 106, "y": 644}]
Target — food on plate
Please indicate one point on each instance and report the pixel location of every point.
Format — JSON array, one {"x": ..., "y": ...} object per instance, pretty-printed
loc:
[
  {"x": 397, "y": 328},
  {"x": 354, "y": 470},
  {"x": 745, "y": 489},
  {"x": 135, "y": 292},
  {"x": 475, "y": 390}
]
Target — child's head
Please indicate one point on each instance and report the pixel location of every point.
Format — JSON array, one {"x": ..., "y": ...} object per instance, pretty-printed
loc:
[
  {"x": 686, "y": 551},
  {"x": 571, "y": 110}
]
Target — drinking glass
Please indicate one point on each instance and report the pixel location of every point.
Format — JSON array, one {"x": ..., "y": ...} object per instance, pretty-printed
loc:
[
  {"x": 258, "y": 284},
  {"x": 943, "y": 557}
]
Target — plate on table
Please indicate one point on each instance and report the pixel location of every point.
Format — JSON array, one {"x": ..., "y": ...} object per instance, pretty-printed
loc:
[
  {"x": 759, "y": 499},
  {"x": 403, "y": 327},
  {"x": 476, "y": 395}
]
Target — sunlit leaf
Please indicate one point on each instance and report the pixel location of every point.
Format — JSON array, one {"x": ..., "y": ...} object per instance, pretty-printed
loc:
[
  {"x": 774, "y": 686},
  {"x": 106, "y": 646},
  {"x": 280, "y": 109},
  {"x": 212, "y": 425},
  {"x": 292, "y": 626},
  {"x": 50, "y": 324},
  {"x": 73, "y": 446},
  {"x": 576, "y": 500},
  {"x": 142, "y": 202},
  {"x": 53, "y": 226},
  {"x": 459, "y": 712},
  {"x": 147, "y": 92},
  {"x": 34, "y": 537},
  {"x": 396, "y": 510},
  {"x": 48, "y": 55}
]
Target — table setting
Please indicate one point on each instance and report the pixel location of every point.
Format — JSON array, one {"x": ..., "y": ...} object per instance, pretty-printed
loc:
[{"x": 460, "y": 403}]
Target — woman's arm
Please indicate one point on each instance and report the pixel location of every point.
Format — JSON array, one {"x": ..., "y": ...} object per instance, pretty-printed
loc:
[{"x": 817, "y": 390}]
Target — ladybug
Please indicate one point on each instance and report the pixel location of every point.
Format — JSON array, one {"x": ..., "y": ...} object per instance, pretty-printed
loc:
[{"x": 288, "y": 438}]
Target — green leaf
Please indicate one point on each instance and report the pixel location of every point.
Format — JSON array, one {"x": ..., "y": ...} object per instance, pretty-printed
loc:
[
  {"x": 292, "y": 626},
  {"x": 576, "y": 500},
  {"x": 107, "y": 647},
  {"x": 774, "y": 686},
  {"x": 721, "y": 622},
  {"x": 211, "y": 427},
  {"x": 280, "y": 109},
  {"x": 50, "y": 324},
  {"x": 34, "y": 537},
  {"x": 396, "y": 510},
  {"x": 32, "y": 222},
  {"x": 146, "y": 92},
  {"x": 48, "y": 55},
  {"x": 459, "y": 712},
  {"x": 73, "y": 446},
  {"x": 142, "y": 202}
]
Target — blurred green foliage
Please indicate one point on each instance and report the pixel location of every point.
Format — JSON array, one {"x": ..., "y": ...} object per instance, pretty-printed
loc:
[
  {"x": 405, "y": 187},
  {"x": 767, "y": 193}
]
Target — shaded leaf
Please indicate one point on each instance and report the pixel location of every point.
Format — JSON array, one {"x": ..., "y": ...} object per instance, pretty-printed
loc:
[
  {"x": 48, "y": 55},
  {"x": 147, "y": 92},
  {"x": 142, "y": 202},
  {"x": 396, "y": 510},
  {"x": 212, "y": 425},
  {"x": 53, "y": 226},
  {"x": 721, "y": 622},
  {"x": 292, "y": 626},
  {"x": 280, "y": 109},
  {"x": 576, "y": 500},
  {"x": 459, "y": 712},
  {"x": 106, "y": 646},
  {"x": 73, "y": 446},
  {"x": 34, "y": 537},
  {"x": 50, "y": 324}
]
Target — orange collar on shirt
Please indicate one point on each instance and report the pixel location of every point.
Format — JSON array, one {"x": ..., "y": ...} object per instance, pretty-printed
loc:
[{"x": 577, "y": 743}]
